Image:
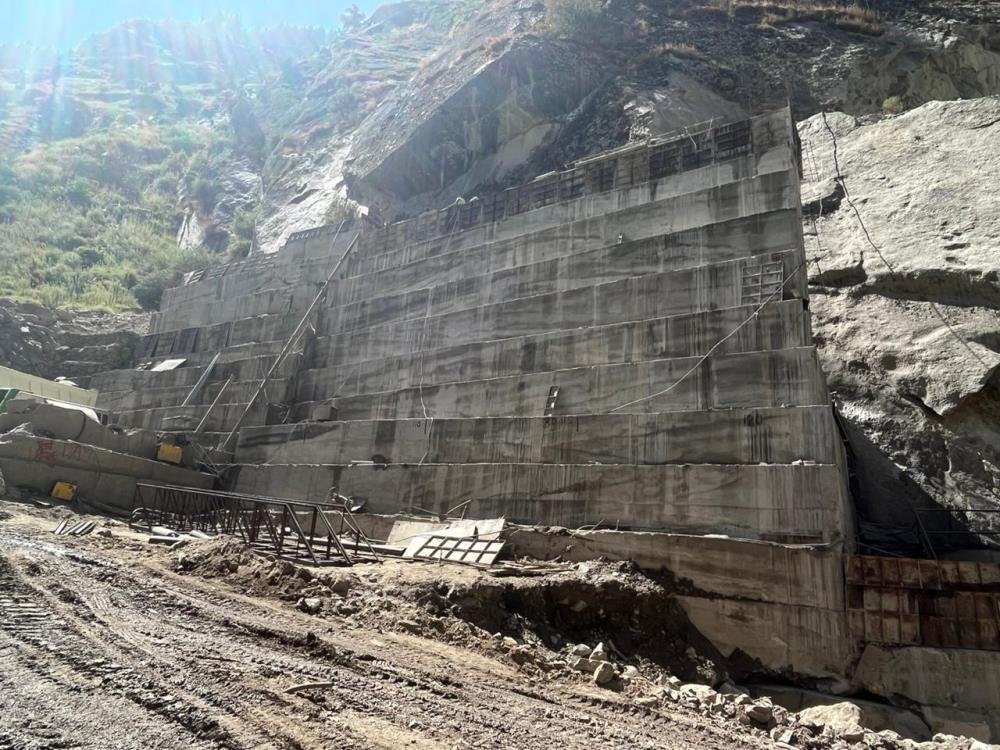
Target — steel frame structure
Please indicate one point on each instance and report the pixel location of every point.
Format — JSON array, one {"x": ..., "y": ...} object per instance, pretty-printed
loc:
[{"x": 291, "y": 529}]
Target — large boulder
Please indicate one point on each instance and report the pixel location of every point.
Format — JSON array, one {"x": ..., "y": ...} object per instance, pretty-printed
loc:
[
  {"x": 838, "y": 718},
  {"x": 905, "y": 250}
]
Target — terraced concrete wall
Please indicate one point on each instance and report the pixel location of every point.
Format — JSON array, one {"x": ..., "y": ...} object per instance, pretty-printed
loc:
[
  {"x": 656, "y": 293},
  {"x": 732, "y": 436},
  {"x": 688, "y": 398},
  {"x": 624, "y": 343}
]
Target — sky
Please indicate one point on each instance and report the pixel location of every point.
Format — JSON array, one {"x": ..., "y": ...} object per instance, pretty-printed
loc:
[{"x": 64, "y": 23}]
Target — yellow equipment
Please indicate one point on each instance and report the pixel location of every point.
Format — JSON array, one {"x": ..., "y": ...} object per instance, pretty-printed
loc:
[
  {"x": 169, "y": 453},
  {"x": 64, "y": 491}
]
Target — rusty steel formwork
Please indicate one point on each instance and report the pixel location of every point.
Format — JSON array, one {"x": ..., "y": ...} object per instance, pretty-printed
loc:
[
  {"x": 315, "y": 533},
  {"x": 634, "y": 164},
  {"x": 940, "y": 603}
]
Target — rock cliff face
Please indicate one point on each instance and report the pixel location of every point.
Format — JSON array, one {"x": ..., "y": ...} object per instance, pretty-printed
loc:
[
  {"x": 484, "y": 113},
  {"x": 906, "y": 298},
  {"x": 61, "y": 343}
]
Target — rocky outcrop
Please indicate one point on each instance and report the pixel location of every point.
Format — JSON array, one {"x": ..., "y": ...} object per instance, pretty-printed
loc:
[
  {"x": 488, "y": 112},
  {"x": 488, "y": 127},
  {"x": 941, "y": 60},
  {"x": 905, "y": 251},
  {"x": 62, "y": 343},
  {"x": 304, "y": 174}
]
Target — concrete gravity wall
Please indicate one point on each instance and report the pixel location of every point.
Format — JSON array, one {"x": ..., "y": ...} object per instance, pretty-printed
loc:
[
  {"x": 664, "y": 280},
  {"x": 623, "y": 343},
  {"x": 550, "y": 352}
]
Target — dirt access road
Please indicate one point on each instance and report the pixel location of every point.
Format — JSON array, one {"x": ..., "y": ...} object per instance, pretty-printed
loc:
[{"x": 103, "y": 645}]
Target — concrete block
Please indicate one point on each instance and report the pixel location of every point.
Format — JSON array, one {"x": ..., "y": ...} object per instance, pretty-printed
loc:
[
  {"x": 477, "y": 317},
  {"x": 789, "y": 377},
  {"x": 554, "y": 254},
  {"x": 806, "y": 640},
  {"x": 411, "y": 350},
  {"x": 235, "y": 392},
  {"x": 939, "y": 679},
  {"x": 801, "y": 575},
  {"x": 778, "y": 435},
  {"x": 695, "y": 198},
  {"x": 102, "y": 475},
  {"x": 775, "y": 502},
  {"x": 68, "y": 424},
  {"x": 185, "y": 418}
]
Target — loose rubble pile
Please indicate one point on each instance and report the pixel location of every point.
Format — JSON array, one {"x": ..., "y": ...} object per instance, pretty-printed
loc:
[
  {"x": 838, "y": 725},
  {"x": 529, "y": 622},
  {"x": 174, "y": 539}
]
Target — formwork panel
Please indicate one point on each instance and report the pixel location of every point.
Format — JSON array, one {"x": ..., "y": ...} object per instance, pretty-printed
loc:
[{"x": 940, "y": 603}]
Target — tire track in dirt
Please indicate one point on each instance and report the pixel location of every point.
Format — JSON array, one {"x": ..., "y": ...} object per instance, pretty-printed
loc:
[
  {"x": 151, "y": 677},
  {"x": 216, "y": 663}
]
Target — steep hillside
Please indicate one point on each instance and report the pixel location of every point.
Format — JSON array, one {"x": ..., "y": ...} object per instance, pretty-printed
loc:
[
  {"x": 158, "y": 146},
  {"x": 110, "y": 155}
]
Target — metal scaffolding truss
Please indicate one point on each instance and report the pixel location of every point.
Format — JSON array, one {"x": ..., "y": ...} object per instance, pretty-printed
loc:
[{"x": 291, "y": 529}]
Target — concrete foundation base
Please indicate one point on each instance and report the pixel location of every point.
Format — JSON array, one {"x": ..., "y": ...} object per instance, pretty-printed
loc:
[
  {"x": 101, "y": 475},
  {"x": 958, "y": 690},
  {"x": 792, "y": 503}
]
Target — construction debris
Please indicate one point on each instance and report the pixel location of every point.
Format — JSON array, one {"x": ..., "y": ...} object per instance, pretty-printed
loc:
[
  {"x": 297, "y": 531},
  {"x": 68, "y": 528},
  {"x": 403, "y": 530},
  {"x": 516, "y": 568},
  {"x": 454, "y": 549},
  {"x": 174, "y": 539}
]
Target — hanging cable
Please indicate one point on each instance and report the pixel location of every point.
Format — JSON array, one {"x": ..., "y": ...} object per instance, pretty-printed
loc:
[
  {"x": 720, "y": 342},
  {"x": 892, "y": 271}
]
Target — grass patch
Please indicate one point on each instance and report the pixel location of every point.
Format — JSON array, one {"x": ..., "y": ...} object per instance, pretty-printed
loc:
[
  {"x": 91, "y": 222},
  {"x": 574, "y": 18},
  {"x": 854, "y": 17},
  {"x": 892, "y": 105}
]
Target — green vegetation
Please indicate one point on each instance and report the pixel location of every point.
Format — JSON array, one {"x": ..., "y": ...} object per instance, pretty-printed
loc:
[
  {"x": 892, "y": 106},
  {"x": 574, "y": 18},
  {"x": 242, "y": 235},
  {"x": 92, "y": 221},
  {"x": 144, "y": 142}
]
